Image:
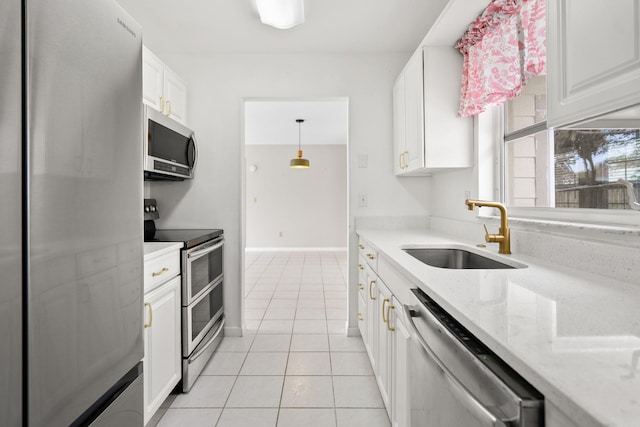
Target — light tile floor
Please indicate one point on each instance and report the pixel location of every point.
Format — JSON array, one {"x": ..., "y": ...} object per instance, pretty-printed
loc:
[{"x": 294, "y": 366}]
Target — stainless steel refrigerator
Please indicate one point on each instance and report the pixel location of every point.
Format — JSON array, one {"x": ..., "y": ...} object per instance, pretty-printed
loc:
[{"x": 70, "y": 214}]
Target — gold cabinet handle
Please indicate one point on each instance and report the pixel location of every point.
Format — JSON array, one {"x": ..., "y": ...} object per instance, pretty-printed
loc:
[
  {"x": 159, "y": 273},
  {"x": 360, "y": 316},
  {"x": 168, "y": 107},
  {"x": 161, "y": 104},
  {"x": 148, "y": 325},
  {"x": 360, "y": 267},
  {"x": 389, "y": 308},
  {"x": 361, "y": 246},
  {"x": 406, "y": 156},
  {"x": 401, "y": 160},
  {"x": 370, "y": 286},
  {"x": 360, "y": 286},
  {"x": 384, "y": 302},
  {"x": 370, "y": 256}
]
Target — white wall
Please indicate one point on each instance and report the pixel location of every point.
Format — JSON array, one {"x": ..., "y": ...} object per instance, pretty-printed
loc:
[
  {"x": 296, "y": 208},
  {"x": 450, "y": 189},
  {"x": 217, "y": 86}
]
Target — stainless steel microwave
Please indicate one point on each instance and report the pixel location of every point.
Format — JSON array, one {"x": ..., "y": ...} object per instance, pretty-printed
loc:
[{"x": 170, "y": 151}]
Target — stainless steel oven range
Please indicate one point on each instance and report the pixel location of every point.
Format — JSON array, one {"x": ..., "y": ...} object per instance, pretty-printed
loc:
[{"x": 202, "y": 291}]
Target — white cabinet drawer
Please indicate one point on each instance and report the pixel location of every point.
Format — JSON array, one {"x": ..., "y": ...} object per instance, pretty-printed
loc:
[
  {"x": 368, "y": 253},
  {"x": 158, "y": 270}
]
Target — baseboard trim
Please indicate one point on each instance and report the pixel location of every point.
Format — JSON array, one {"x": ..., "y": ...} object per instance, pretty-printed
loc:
[
  {"x": 232, "y": 331},
  {"x": 353, "y": 332}
]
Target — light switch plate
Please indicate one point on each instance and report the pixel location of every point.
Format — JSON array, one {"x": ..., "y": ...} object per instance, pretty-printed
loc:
[{"x": 363, "y": 160}]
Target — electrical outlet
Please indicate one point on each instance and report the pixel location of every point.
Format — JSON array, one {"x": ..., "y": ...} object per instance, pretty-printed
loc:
[
  {"x": 280, "y": 234},
  {"x": 363, "y": 200}
]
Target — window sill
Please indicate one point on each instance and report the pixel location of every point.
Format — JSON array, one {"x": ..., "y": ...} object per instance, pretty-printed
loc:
[{"x": 608, "y": 232}]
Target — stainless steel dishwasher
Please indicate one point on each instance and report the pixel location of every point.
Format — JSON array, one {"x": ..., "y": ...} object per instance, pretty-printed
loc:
[{"x": 457, "y": 381}]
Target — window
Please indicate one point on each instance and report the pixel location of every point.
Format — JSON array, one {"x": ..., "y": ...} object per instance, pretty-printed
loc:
[{"x": 573, "y": 168}]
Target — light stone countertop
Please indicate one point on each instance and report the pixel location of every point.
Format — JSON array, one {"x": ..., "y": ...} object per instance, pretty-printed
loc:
[
  {"x": 572, "y": 335},
  {"x": 156, "y": 249}
]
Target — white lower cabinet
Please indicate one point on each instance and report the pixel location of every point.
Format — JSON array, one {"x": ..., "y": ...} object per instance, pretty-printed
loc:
[
  {"x": 386, "y": 337},
  {"x": 371, "y": 318},
  {"x": 400, "y": 404},
  {"x": 362, "y": 303},
  {"x": 162, "y": 355},
  {"x": 385, "y": 345}
]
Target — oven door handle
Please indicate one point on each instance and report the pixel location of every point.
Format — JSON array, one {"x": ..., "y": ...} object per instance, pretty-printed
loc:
[
  {"x": 211, "y": 341},
  {"x": 205, "y": 251}
]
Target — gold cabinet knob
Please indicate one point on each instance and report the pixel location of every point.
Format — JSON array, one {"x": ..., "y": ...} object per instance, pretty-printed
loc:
[
  {"x": 360, "y": 286},
  {"x": 370, "y": 256},
  {"x": 360, "y": 267},
  {"x": 361, "y": 246},
  {"x": 360, "y": 316}
]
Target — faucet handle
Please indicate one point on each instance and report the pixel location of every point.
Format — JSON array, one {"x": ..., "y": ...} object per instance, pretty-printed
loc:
[
  {"x": 487, "y": 236},
  {"x": 491, "y": 238}
]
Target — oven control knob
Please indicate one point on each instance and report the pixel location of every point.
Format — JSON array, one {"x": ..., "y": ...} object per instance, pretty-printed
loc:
[
  {"x": 153, "y": 208},
  {"x": 147, "y": 208}
]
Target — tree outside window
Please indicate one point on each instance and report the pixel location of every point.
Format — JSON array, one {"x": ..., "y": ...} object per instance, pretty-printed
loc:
[{"x": 565, "y": 168}]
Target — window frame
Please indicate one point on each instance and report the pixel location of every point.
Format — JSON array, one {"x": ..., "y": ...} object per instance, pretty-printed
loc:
[{"x": 580, "y": 217}]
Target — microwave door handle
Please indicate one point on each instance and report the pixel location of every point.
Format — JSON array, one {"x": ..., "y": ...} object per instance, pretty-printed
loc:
[
  {"x": 460, "y": 390},
  {"x": 192, "y": 152},
  {"x": 204, "y": 251}
]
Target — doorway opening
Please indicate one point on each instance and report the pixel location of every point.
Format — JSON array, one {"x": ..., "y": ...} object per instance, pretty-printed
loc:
[{"x": 295, "y": 221}]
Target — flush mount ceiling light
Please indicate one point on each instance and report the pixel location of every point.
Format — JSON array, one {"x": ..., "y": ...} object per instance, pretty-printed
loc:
[
  {"x": 299, "y": 162},
  {"x": 281, "y": 14}
]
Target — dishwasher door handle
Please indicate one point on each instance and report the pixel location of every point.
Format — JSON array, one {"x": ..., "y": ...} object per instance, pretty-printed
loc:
[{"x": 462, "y": 392}]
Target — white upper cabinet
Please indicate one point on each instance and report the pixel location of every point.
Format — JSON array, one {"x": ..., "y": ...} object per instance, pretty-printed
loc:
[
  {"x": 175, "y": 93},
  {"x": 152, "y": 80},
  {"x": 162, "y": 88},
  {"x": 414, "y": 111},
  {"x": 428, "y": 135},
  {"x": 399, "y": 126},
  {"x": 593, "y": 58}
]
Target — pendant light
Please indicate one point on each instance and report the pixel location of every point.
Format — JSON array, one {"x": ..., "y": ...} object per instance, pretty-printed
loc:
[{"x": 299, "y": 162}]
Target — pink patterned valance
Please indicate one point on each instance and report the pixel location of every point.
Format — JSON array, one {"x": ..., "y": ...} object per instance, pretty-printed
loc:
[{"x": 502, "y": 49}]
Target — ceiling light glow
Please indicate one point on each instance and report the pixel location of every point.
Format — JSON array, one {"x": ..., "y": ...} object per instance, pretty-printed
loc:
[{"x": 281, "y": 14}]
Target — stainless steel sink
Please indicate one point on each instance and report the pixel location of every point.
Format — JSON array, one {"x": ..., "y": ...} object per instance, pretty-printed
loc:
[{"x": 457, "y": 258}]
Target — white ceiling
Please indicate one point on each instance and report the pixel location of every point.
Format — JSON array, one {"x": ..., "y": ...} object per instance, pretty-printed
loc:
[
  {"x": 331, "y": 26},
  {"x": 233, "y": 26},
  {"x": 273, "y": 122}
]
